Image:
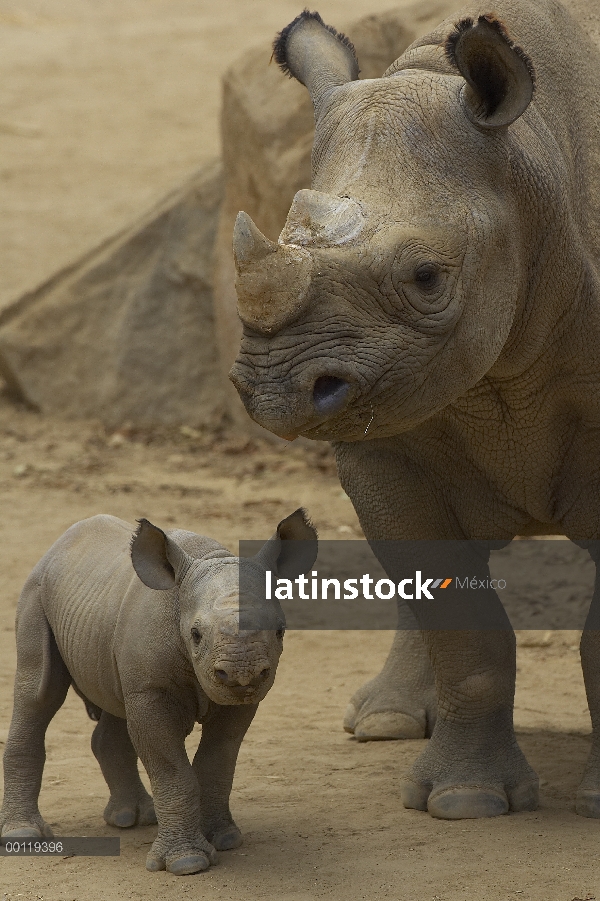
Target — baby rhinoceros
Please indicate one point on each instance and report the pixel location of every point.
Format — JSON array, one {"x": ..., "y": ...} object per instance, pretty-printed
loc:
[{"x": 156, "y": 634}]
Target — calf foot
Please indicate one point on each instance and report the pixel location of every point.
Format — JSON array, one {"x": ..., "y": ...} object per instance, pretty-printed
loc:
[
  {"x": 471, "y": 770},
  {"x": 180, "y": 858},
  {"x": 382, "y": 710},
  {"x": 128, "y": 812}
]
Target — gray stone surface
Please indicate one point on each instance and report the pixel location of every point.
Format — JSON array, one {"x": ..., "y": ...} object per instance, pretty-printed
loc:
[{"x": 127, "y": 332}]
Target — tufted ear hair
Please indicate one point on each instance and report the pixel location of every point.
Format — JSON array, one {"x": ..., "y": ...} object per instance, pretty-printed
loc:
[
  {"x": 158, "y": 560},
  {"x": 500, "y": 78},
  {"x": 316, "y": 55}
]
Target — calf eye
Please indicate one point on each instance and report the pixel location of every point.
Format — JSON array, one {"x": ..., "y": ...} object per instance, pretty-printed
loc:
[
  {"x": 280, "y": 633},
  {"x": 427, "y": 276},
  {"x": 196, "y": 635}
]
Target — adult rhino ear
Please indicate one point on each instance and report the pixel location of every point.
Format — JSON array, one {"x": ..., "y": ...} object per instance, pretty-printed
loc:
[
  {"x": 293, "y": 548},
  {"x": 158, "y": 560},
  {"x": 500, "y": 76},
  {"x": 316, "y": 55}
]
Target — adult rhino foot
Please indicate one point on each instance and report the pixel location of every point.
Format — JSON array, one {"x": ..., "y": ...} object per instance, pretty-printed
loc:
[
  {"x": 179, "y": 861},
  {"x": 33, "y": 827},
  {"x": 227, "y": 838},
  {"x": 126, "y": 813},
  {"x": 587, "y": 803},
  {"x": 471, "y": 771},
  {"x": 380, "y": 711}
]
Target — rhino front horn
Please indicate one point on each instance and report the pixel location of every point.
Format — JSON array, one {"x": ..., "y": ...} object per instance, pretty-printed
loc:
[
  {"x": 249, "y": 243},
  {"x": 273, "y": 280}
]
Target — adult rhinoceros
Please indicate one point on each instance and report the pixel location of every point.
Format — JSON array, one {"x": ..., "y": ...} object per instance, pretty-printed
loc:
[{"x": 433, "y": 308}]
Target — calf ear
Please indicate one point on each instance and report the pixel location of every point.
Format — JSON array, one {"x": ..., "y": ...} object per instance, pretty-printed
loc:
[
  {"x": 500, "y": 76},
  {"x": 298, "y": 545},
  {"x": 293, "y": 548},
  {"x": 317, "y": 55},
  {"x": 158, "y": 560}
]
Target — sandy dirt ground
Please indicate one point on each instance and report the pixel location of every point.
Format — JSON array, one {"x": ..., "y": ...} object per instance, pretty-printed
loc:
[
  {"x": 104, "y": 105},
  {"x": 321, "y": 813}
]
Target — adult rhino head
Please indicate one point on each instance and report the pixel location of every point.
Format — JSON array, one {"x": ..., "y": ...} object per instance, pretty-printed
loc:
[{"x": 394, "y": 284}]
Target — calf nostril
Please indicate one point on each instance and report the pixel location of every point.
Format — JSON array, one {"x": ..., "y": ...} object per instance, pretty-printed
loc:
[
  {"x": 330, "y": 393},
  {"x": 265, "y": 673}
]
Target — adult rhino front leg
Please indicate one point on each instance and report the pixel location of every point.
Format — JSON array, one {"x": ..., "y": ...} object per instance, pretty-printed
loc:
[
  {"x": 473, "y": 766},
  {"x": 400, "y": 701}
]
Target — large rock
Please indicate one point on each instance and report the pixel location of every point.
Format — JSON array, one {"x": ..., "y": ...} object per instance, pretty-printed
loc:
[
  {"x": 144, "y": 328},
  {"x": 127, "y": 332},
  {"x": 267, "y": 130}
]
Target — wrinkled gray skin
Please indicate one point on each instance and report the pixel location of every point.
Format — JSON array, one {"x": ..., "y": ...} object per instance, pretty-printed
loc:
[
  {"x": 433, "y": 308},
  {"x": 151, "y": 654}
]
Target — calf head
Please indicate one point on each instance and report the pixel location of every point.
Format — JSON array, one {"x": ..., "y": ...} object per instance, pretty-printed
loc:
[
  {"x": 394, "y": 284},
  {"x": 232, "y": 634}
]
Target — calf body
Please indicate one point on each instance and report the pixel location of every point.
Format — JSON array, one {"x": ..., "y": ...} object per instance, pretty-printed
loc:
[{"x": 150, "y": 658}]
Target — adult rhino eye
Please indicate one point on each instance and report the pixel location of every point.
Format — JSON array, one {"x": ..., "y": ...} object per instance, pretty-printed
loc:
[
  {"x": 427, "y": 276},
  {"x": 196, "y": 635}
]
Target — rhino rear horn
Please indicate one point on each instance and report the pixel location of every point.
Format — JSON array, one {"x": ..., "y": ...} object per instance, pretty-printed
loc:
[
  {"x": 316, "y": 55},
  {"x": 500, "y": 76},
  {"x": 316, "y": 219}
]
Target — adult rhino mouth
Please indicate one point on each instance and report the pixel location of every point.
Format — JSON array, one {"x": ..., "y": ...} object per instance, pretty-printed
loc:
[
  {"x": 312, "y": 401},
  {"x": 278, "y": 284}
]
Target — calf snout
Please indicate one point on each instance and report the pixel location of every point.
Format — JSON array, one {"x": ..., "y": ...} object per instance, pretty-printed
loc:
[{"x": 233, "y": 676}]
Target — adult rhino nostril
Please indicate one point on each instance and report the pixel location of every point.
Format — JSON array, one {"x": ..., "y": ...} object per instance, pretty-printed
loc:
[
  {"x": 330, "y": 393},
  {"x": 221, "y": 675},
  {"x": 264, "y": 674}
]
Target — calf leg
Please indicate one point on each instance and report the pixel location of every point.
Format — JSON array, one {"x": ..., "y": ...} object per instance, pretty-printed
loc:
[
  {"x": 158, "y": 726},
  {"x": 214, "y": 765},
  {"x": 129, "y": 802},
  {"x": 41, "y": 684}
]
